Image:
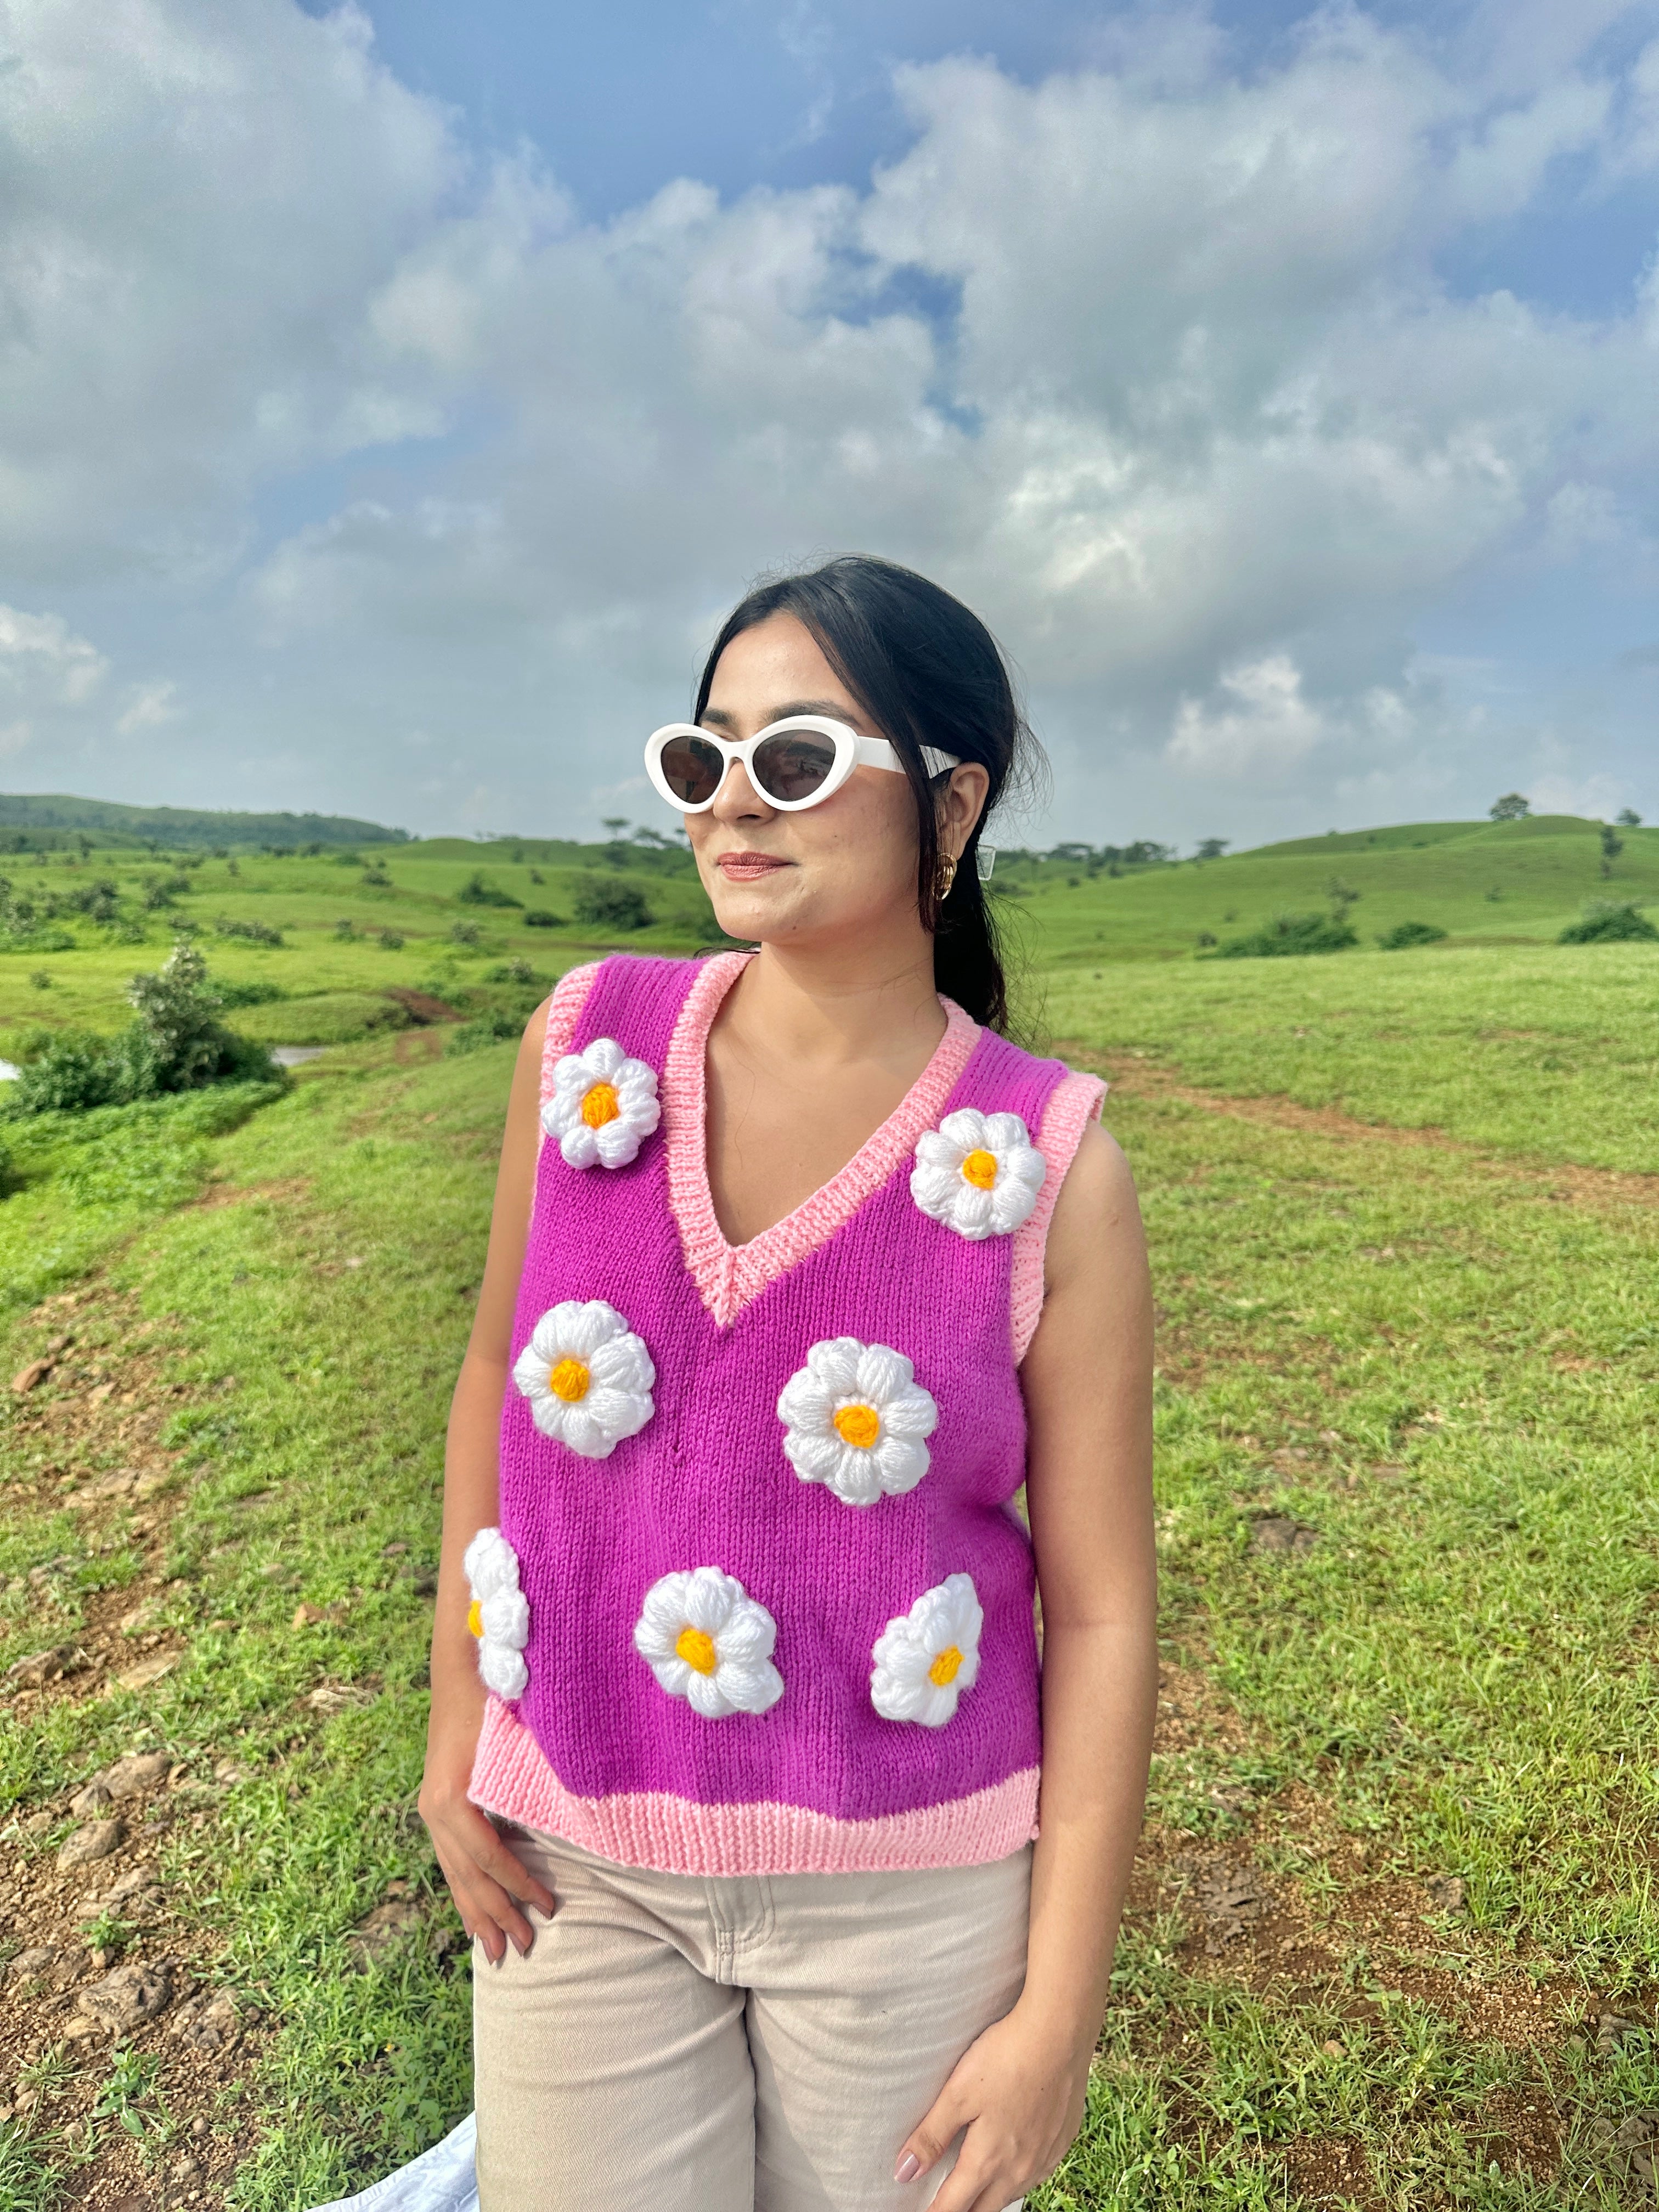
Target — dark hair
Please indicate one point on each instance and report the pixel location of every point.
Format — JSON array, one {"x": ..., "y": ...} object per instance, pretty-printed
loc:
[{"x": 927, "y": 672}]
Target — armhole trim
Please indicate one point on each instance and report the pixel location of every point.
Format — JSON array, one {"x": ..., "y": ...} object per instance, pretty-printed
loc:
[
  {"x": 564, "y": 1011},
  {"x": 1074, "y": 1102}
]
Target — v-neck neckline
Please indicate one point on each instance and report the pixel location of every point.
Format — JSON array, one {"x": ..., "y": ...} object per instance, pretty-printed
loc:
[{"x": 730, "y": 1277}]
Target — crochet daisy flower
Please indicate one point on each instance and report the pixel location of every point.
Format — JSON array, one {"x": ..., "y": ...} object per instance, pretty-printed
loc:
[
  {"x": 588, "y": 1377},
  {"x": 498, "y": 1615},
  {"x": 978, "y": 1173},
  {"x": 604, "y": 1105},
  {"x": 925, "y": 1658},
  {"x": 708, "y": 1642},
  {"x": 855, "y": 1418}
]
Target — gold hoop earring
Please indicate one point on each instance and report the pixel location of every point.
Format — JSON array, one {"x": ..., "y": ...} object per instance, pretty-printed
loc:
[{"x": 946, "y": 877}]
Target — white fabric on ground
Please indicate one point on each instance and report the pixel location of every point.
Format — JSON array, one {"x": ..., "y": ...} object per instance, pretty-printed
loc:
[{"x": 443, "y": 2179}]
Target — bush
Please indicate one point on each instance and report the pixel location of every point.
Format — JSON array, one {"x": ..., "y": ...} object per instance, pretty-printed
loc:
[
  {"x": 463, "y": 933},
  {"x": 249, "y": 994},
  {"x": 1286, "y": 936},
  {"x": 478, "y": 890},
  {"x": 511, "y": 971},
  {"x": 73, "y": 1073},
  {"x": 538, "y": 918},
  {"x": 1609, "y": 922},
  {"x": 176, "y": 1042},
  {"x": 256, "y": 932},
  {"x": 1407, "y": 933},
  {"x": 392, "y": 939},
  {"x": 483, "y": 1029},
  {"x": 604, "y": 904}
]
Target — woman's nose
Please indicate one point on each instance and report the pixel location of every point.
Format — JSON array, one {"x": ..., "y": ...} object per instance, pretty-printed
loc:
[{"x": 737, "y": 800}]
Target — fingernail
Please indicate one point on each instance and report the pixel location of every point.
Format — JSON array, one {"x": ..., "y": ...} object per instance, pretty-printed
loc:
[{"x": 907, "y": 2168}]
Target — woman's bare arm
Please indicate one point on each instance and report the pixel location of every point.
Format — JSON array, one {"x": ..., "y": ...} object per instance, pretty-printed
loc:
[
  {"x": 1019, "y": 2090},
  {"x": 486, "y": 1879}
]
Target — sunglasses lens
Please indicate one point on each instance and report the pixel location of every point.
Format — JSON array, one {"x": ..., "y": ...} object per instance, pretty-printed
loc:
[
  {"x": 794, "y": 765},
  {"x": 692, "y": 769}
]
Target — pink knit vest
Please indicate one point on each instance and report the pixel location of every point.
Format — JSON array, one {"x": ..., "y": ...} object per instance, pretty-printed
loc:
[{"x": 853, "y": 1683}]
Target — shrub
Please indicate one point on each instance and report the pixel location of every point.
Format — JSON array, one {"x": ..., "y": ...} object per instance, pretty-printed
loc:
[
  {"x": 175, "y": 1042},
  {"x": 73, "y": 1073},
  {"x": 1286, "y": 936},
  {"x": 538, "y": 918},
  {"x": 1609, "y": 922},
  {"x": 249, "y": 994},
  {"x": 255, "y": 933},
  {"x": 463, "y": 933},
  {"x": 511, "y": 971},
  {"x": 483, "y": 1029},
  {"x": 603, "y": 904},
  {"x": 478, "y": 890},
  {"x": 345, "y": 929},
  {"x": 1407, "y": 933},
  {"x": 392, "y": 939}
]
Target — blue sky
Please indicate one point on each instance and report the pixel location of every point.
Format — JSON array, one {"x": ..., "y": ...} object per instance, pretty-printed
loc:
[{"x": 395, "y": 397}]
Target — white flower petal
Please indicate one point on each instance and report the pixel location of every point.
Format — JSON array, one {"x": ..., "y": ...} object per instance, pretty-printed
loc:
[
  {"x": 883, "y": 1374},
  {"x": 709, "y": 1596},
  {"x": 966, "y": 1128},
  {"x": 814, "y": 1458},
  {"x": 502, "y": 1670},
  {"x": 898, "y": 1464},
  {"x": 506, "y": 1618},
  {"x": 835, "y": 1363},
  {"x": 703, "y": 1693},
  {"x": 804, "y": 1404},
  {"x": 614, "y": 1143}
]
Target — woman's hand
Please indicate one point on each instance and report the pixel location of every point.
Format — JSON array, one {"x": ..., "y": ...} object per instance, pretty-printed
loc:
[
  {"x": 487, "y": 1882},
  {"x": 1019, "y": 2092}
]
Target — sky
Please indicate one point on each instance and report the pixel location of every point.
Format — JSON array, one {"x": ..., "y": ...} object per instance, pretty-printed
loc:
[{"x": 393, "y": 399}]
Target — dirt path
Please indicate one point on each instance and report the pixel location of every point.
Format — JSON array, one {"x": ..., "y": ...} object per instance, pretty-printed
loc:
[{"x": 1132, "y": 1077}]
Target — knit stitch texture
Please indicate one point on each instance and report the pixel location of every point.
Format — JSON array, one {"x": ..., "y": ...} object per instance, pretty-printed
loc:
[{"x": 622, "y": 1746}]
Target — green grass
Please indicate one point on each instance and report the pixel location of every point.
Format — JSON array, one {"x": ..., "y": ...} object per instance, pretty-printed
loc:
[{"x": 1427, "y": 1357}]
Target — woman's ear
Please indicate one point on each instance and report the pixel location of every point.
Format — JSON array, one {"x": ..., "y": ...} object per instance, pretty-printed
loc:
[{"x": 961, "y": 803}]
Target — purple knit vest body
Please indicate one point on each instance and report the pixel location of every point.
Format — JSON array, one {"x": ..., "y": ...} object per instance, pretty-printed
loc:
[{"x": 705, "y": 1482}]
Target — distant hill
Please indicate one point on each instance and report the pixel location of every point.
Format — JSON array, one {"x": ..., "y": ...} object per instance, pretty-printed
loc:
[{"x": 49, "y": 820}]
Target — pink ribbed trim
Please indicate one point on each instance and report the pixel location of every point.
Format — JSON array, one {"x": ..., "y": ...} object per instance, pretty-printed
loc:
[
  {"x": 511, "y": 1777},
  {"x": 730, "y": 1277},
  {"x": 563, "y": 1013},
  {"x": 1073, "y": 1102}
]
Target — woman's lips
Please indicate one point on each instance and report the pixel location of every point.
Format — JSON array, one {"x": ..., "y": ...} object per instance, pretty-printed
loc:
[{"x": 748, "y": 867}]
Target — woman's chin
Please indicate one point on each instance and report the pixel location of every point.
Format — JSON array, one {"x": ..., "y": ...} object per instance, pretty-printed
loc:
[{"x": 758, "y": 908}]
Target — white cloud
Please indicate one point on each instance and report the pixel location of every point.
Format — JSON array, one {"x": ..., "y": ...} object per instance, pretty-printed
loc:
[
  {"x": 1205, "y": 440},
  {"x": 149, "y": 705}
]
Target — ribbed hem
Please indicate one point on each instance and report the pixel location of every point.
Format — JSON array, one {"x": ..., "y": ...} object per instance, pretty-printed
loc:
[
  {"x": 511, "y": 1777},
  {"x": 1073, "y": 1102}
]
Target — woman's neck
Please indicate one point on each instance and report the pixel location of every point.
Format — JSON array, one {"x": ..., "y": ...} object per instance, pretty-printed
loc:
[{"x": 827, "y": 1008}]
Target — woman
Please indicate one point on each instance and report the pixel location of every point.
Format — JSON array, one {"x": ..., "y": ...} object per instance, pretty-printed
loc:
[{"x": 798, "y": 1271}]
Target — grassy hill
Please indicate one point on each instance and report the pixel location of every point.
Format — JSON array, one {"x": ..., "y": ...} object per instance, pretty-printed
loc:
[
  {"x": 1485, "y": 883},
  {"x": 482, "y": 927},
  {"x": 54, "y": 821}
]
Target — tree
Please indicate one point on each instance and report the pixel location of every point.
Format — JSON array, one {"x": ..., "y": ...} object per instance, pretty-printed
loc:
[
  {"x": 1512, "y": 807},
  {"x": 1628, "y": 818},
  {"x": 1612, "y": 846},
  {"x": 1211, "y": 848}
]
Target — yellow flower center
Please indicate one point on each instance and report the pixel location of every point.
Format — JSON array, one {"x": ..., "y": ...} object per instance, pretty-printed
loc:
[
  {"x": 858, "y": 1424},
  {"x": 600, "y": 1106},
  {"x": 569, "y": 1381},
  {"x": 943, "y": 1668},
  {"x": 697, "y": 1650},
  {"x": 980, "y": 1169},
  {"x": 475, "y": 1619}
]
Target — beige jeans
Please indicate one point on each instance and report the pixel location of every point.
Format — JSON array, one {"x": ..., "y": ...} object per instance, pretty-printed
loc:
[{"x": 753, "y": 2044}]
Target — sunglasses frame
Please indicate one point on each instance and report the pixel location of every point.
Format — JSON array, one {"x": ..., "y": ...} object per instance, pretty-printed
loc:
[{"x": 852, "y": 751}]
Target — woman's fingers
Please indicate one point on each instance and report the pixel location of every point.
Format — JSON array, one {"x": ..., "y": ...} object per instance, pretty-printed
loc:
[
  {"x": 489, "y": 1882},
  {"x": 927, "y": 2142}
]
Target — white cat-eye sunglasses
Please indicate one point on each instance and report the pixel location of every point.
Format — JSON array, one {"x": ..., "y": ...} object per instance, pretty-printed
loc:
[{"x": 799, "y": 761}]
